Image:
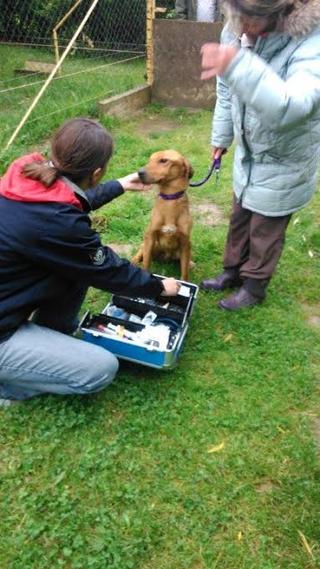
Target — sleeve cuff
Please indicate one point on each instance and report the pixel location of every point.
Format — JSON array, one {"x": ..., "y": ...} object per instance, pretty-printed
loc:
[{"x": 237, "y": 58}]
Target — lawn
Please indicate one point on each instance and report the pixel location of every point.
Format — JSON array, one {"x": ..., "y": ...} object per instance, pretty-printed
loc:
[
  {"x": 82, "y": 82},
  {"x": 214, "y": 464}
]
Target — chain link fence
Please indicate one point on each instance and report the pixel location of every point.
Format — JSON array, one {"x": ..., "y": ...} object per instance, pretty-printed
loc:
[{"x": 107, "y": 58}]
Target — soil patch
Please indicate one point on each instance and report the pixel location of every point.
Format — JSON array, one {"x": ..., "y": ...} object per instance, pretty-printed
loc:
[
  {"x": 312, "y": 315},
  {"x": 314, "y": 321},
  {"x": 208, "y": 214},
  {"x": 266, "y": 487},
  {"x": 316, "y": 433},
  {"x": 156, "y": 126},
  {"x": 126, "y": 250},
  {"x": 99, "y": 222}
]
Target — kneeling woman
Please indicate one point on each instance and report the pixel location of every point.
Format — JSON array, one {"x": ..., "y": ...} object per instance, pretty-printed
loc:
[{"x": 50, "y": 255}]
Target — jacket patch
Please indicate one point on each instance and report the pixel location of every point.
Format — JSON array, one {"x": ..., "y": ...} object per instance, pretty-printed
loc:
[{"x": 98, "y": 257}]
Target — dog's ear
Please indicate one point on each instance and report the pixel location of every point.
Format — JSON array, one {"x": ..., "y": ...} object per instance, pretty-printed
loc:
[{"x": 188, "y": 169}]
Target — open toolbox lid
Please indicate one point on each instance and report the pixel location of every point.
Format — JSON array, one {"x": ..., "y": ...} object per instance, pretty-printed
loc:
[
  {"x": 178, "y": 307},
  {"x": 128, "y": 324}
]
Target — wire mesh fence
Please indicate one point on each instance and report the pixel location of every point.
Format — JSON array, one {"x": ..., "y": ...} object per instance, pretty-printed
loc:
[{"x": 107, "y": 58}]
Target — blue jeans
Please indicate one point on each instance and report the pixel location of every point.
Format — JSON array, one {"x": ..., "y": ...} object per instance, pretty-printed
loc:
[{"x": 41, "y": 358}]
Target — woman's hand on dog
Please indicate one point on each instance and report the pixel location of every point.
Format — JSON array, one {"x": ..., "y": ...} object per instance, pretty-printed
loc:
[
  {"x": 133, "y": 183},
  {"x": 171, "y": 287}
]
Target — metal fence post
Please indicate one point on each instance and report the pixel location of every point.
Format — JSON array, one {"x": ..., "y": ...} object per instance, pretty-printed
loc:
[{"x": 151, "y": 9}]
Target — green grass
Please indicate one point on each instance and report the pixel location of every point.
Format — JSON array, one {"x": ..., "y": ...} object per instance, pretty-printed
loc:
[
  {"x": 126, "y": 479},
  {"x": 92, "y": 80}
]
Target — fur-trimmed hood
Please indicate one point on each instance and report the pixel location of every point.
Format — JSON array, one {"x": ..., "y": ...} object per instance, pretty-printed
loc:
[
  {"x": 274, "y": 115},
  {"x": 303, "y": 19},
  {"x": 295, "y": 17}
]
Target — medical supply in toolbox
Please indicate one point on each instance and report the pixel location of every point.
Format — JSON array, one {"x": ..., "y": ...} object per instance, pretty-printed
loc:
[{"x": 143, "y": 330}]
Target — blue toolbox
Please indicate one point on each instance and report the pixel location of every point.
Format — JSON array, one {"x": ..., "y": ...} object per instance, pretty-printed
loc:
[{"x": 143, "y": 330}]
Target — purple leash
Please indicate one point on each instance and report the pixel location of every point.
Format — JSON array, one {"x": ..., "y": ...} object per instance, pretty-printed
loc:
[{"x": 214, "y": 167}]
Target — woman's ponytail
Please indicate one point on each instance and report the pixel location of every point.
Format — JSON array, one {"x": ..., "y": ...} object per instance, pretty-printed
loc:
[
  {"x": 43, "y": 171},
  {"x": 78, "y": 148}
]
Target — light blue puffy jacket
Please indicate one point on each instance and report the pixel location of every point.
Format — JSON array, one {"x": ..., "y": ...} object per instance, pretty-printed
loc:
[{"x": 268, "y": 101}]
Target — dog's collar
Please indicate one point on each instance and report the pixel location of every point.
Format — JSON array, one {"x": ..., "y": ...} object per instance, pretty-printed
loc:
[{"x": 175, "y": 196}]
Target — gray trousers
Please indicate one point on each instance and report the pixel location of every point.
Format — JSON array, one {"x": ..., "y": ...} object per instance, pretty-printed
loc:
[
  {"x": 41, "y": 358},
  {"x": 254, "y": 246}
]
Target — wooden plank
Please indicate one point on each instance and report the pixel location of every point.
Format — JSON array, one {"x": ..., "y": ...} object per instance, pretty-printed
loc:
[
  {"x": 127, "y": 103},
  {"x": 39, "y": 67}
]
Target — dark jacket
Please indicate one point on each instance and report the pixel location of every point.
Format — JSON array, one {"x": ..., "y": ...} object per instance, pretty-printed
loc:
[{"x": 47, "y": 244}]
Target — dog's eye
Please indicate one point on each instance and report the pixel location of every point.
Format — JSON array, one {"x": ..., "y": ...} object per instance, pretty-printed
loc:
[{"x": 163, "y": 160}]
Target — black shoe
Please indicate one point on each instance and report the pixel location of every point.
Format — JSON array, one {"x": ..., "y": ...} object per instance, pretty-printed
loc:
[
  {"x": 240, "y": 299},
  {"x": 227, "y": 279}
]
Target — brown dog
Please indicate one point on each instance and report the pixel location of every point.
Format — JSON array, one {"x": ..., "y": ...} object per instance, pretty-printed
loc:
[{"x": 168, "y": 234}]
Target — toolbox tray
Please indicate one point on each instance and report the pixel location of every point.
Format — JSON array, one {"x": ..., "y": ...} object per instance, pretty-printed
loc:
[{"x": 175, "y": 315}]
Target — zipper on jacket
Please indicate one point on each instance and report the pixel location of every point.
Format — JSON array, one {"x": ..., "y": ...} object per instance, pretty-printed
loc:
[{"x": 247, "y": 149}]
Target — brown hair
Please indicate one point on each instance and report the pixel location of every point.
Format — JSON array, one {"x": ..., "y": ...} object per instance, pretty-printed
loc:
[{"x": 78, "y": 148}]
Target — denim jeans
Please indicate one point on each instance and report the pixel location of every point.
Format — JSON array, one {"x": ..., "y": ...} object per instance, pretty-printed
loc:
[{"x": 41, "y": 358}]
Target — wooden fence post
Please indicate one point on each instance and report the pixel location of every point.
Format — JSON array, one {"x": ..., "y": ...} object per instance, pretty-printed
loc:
[
  {"x": 52, "y": 74},
  {"x": 58, "y": 26},
  {"x": 151, "y": 9}
]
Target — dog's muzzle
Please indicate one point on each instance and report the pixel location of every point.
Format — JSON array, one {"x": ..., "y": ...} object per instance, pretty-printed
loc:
[
  {"x": 142, "y": 175},
  {"x": 145, "y": 178}
]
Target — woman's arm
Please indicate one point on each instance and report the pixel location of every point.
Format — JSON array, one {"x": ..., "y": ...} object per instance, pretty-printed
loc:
[
  {"x": 67, "y": 246},
  {"x": 281, "y": 104},
  {"x": 107, "y": 191}
]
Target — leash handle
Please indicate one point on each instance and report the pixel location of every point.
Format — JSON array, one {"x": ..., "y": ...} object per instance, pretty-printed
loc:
[
  {"x": 217, "y": 163},
  {"x": 214, "y": 167}
]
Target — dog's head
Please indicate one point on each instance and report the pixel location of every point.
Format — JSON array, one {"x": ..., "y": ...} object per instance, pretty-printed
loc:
[{"x": 166, "y": 167}]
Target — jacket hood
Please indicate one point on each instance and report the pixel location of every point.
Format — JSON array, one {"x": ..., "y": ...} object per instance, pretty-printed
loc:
[
  {"x": 296, "y": 18},
  {"x": 14, "y": 185},
  {"x": 304, "y": 18}
]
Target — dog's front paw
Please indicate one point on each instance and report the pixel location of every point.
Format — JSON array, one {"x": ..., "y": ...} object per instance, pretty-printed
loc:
[{"x": 136, "y": 260}]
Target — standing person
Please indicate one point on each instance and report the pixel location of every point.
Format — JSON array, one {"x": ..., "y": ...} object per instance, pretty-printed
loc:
[
  {"x": 268, "y": 100},
  {"x": 199, "y": 10},
  {"x": 50, "y": 255}
]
